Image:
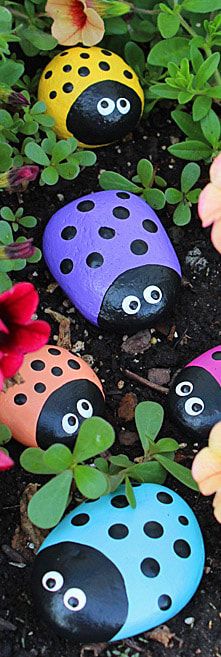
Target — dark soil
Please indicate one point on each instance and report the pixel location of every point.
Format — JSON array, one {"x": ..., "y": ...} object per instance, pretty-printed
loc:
[{"x": 198, "y": 325}]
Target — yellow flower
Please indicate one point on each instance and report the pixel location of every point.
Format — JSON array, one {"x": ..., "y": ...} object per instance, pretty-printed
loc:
[
  {"x": 81, "y": 21},
  {"x": 206, "y": 469}
]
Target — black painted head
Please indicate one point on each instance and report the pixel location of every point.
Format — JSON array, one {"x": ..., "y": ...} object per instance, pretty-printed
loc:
[
  {"x": 64, "y": 411},
  {"x": 104, "y": 112},
  {"x": 140, "y": 296},
  {"x": 194, "y": 401},
  {"x": 74, "y": 585}
]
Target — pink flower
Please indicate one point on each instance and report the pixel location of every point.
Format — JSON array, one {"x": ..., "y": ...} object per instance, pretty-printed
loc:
[
  {"x": 209, "y": 204},
  {"x": 206, "y": 469},
  {"x": 18, "y": 177},
  {"x": 6, "y": 462}
]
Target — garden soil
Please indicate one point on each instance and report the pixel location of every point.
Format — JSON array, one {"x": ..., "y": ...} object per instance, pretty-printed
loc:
[{"x": 196, "y": 326}]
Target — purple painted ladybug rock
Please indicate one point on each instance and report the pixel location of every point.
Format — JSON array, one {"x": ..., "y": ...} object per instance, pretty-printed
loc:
[
  {"x": 194, "y": 400},
  {"x": 112, "y": 257}
]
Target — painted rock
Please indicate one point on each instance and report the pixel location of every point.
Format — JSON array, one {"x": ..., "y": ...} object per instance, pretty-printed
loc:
[
  {"x": 92, "y": 94},
  {"x": 112, "y": 257},
  {"x": 194, "y": 400},
  {"x": 58, "y": 392},
  {"x": 107, "y": 571}
]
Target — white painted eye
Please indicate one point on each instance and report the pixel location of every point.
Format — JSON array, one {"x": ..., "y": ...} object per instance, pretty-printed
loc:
[
  {"x": 70, "y": 423},
  {"x": 105, "y": 106},
  {"x": 74, "y": 599},
  {"x": 184, "y": 388},
  {"x": 194, "y": 406},
  {"x": 52, "y": 581},
  {"x": 152, "y": 294},
  {"x": 131, "y": 305},
  {"x": 84, "y": 408},
  {"x": 123, "y": 105}
]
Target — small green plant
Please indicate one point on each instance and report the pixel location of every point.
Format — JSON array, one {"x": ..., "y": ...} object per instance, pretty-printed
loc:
[
  {"x": 186, "y": 196},
  {"x": 105, "y": 475},
  {"x": 12, "y": 221},
  {"x": 58, "y": 158},
  {"x": 143, "y": 183}
]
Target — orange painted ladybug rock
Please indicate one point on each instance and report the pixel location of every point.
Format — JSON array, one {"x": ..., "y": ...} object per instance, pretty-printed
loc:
[{"x": 59, "y": 391}]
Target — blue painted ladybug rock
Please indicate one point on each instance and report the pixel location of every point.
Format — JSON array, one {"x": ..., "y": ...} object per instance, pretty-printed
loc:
[
  {"x": 112, "y": 257},
  {"x": 107, "y": 571},
  {"x": 194, "y": 400}
]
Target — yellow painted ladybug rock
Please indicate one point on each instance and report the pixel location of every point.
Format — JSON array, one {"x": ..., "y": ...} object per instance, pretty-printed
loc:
[
  {"x": 92, "y": 94},
  {"x": 59, "y": 391}
]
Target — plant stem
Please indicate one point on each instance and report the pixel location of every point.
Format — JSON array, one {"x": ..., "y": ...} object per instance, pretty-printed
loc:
[
  {"x": 145, "y": 382},
  {"x": 187, "y": 26},
  {"x": 15, "y": 12}
]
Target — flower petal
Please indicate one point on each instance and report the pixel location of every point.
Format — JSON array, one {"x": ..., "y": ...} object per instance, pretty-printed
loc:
[
  {"x": 31, "y": 337},
  {"x": 11, "y": 363},
  {"x": 217, "y": 506},
  {"x": 5, "y": 461},
  {"x": 206, "y": 470},
  {"x": 66, "y": 33},
  {"x": 209, "y": 205},
  {"x": 215, "y": 171},
  {"x": 216, "y": 236},
  {"x": 93, "y": 30},
  {"x": 215, "y": 439},
  {"x": 19, "y": 303},
  {"x": 60, "y": 8}
]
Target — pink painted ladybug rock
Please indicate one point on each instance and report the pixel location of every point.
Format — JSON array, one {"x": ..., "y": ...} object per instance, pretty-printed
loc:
[
  {"x": 112, "y": 257},
  {"x": 194, "y": 400}
]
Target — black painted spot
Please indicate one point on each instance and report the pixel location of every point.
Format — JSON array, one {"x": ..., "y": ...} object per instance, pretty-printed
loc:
[
  {"x": 106, "y": 233},
  {"x": 104, "y": 66},
  {"x": 64, "y": 53},
  {"x": 80, "y": 519},
  {"x": 37, "y": 365},
  {"x": 54, "y": 352},
  {"x": 118, "y": 531},
  {"x": 68, "y": 233},
  {"x": 139, "y": 247},
  {"x": 182, "y": 548},
  {"x": 85, "y": 206},
  {"x": 153, "y": 529},
  {"x": 183, "y": 520},
  {"x": 95, "y": 260},
  {"x": 216, "y": 355},
  {"x": 73, "y": 364},
  {"x": 52, "y": 94},
  {"x": 128, "y": 75},
  {"x": 123, "y": 195},
  {"x": 48, "y": 75},
  {"x": 84, "y": 55},
  {"x": 121, "y": 213},
  {"x": 150, "y": 226},
  {"x": 68, "y": 87},
  {"x": 66, "y": 266},
  {"x": 20, "y": 399},
  {"x": 164, "y": 498},
  {"x": 67, "y": 68},
  {"x": 164, "y": 602},
  {"x": 83, "y": 71},
  {"x": 107, "y": 52},
  {"x": 150, "y": 567},
  {"x": 39, "y": 387},
  {"x": 119, "y": 501},
  {"x": 56, "y": 371}
]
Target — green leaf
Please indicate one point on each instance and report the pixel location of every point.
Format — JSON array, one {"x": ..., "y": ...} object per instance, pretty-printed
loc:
[
  {"x": 189, "y": 176},
  {"x": 58, "y": 457},
  {"x": 168, "y": 24},
  {"x": 160, "y": 181},
  {"x": 130, "y": 493},
  {"x": 28, "y": 221},
  {"x": 6, "y": 235},
  {"x": 10, "y": 72},
  {"x": 32, "y": 460},
  {"x": 134, "y": 56},
  {"x": 191, "y": 150},
  {"x": 145, "y": 172},
  {"x": 169, "y": 50},
  {"x": 196, "y": 57},
  {"x": 5, "y": 157},
  {"x": 173, "y": 196},
  {"x": 36, "y": 153},
  {"x": 201, "y": 6},
  {"x": 49, "y": 503},
  {"x": 184, "y": 97},
  {"x": 162, "y": 90},
  {"x": 207, "y": 69},
  {"x": 155, "y": 198},
  {"x": 101, "y": 464},
  {"x": 5, "y": 282},
  {"x": 39, "y": 39},
  {"x": 201, "y": 107},
  {"x": 6, "y": 119},
  {"x": 85, "y": 158},
  {"x": 49, "y": 176},
  {"x": 115, "y": 26},
  {"x": 120, "y": 460},
  {"x": 5, "y": 434},
  {"x": 6, "y": 213},
  {"x": 179, "y": 471},
  {"x": 150, "y": 472},
  {"x": 182, "y": 214},
  {"x": 68, "y": 170},
  {"x": 149, "y": 419},
  {"x": 38, "y": 108},
  {"x": 166, "y": 445},
  {"x": 91, "y": 483},
  {"x": 60, "y": 151},
  {"x": 95, "y": 436},
  {"x": 211, "y": 128},
  {"x": 214, "y": 92},
  {"x": 112, "y": 180},
  {"x": 186, "y": 124},
  {"x": 193, "y": 195},
  {"x": 5, "y": 20},
  {"x": 37, "y": 255}
]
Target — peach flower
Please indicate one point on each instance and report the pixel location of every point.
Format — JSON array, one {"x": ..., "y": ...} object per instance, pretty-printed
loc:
[
  {"x": 209, "y": 204},
  {"x": 81, "y": 21},
  {"x": 206, "y": 469}
]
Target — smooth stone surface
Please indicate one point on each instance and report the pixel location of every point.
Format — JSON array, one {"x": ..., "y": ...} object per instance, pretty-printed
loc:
[
  {"x": 112, "y": 257},
  {"x": 92, "y": 94},
  {"x": 107, "y": 571},
  {"x": 58, "y": 392},
  {"x": 194, "y": 400}
]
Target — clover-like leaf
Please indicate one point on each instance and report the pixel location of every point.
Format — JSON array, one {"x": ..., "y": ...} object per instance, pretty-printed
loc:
[
  {"x": 58, "y": 457},
  {"x": 149, "y": 419},
  {"x": 49, "y": 503},
  {"x": 91, "y": 483},
  {"x": 95, "y": 436},
  {"x": 177, "y": 470}
]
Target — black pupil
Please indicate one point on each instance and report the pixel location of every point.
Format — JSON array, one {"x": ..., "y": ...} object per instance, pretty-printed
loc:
[
  {"x": 123, "y": 103},
  {"x": 197, "y": 407},
  {"x": 72, "y": 421},
  {"x": 73, "y": 602},
  {"x": 85, "y": 405},
  {"x": 104, "y": 103},
  {"x": 133, "y": 305},
  {"x": 51, "y": 583},
  {"x": 185, "y": 389},
  {"x": 155, "y": 295}
]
